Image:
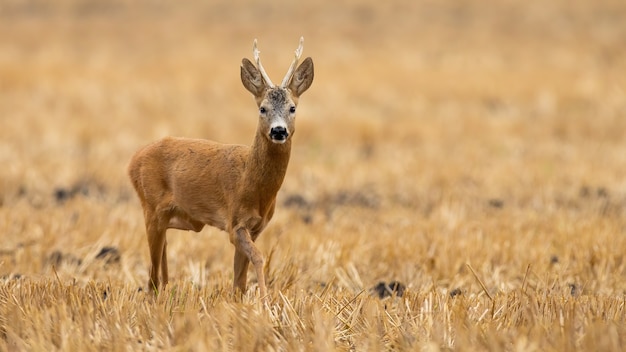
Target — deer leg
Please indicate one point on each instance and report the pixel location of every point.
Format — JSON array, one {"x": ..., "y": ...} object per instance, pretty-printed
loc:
[
  {"x": 164, "y": 273},
  {"x": 244, "y": 244},
  {"x": 240, "y": 271},
  {"x": 156, "y": 244}
]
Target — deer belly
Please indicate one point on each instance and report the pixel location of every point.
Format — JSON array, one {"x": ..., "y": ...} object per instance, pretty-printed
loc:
[{"x": 180, "y": 223}]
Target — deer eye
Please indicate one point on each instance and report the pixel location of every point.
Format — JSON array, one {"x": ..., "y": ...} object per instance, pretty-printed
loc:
[
  {"x": 262, "y": 110},
  {"x": 292, "y": 109}
]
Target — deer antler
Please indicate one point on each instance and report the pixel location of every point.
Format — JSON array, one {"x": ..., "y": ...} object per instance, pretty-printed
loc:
[
  {"x": 298, "y": 53},
  {"x": 266, "y": 78}
]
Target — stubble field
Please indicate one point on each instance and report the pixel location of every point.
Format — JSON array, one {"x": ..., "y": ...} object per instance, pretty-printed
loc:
[{"x": 472, "y": 151}]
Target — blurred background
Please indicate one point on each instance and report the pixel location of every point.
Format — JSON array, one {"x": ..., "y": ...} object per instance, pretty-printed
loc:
[
  {"x": 85, "y": 83},
  {"x": 425, "y": 117}
]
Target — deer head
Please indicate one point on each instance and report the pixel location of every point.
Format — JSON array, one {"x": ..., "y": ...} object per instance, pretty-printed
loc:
[{"x": 277, "y": 105}]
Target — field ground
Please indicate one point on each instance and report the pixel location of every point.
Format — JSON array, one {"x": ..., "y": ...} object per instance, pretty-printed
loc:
[{"x": 473, "y": 151}]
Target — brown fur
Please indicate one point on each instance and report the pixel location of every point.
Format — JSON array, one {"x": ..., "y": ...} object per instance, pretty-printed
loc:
[{"x": 189, "y": 183}]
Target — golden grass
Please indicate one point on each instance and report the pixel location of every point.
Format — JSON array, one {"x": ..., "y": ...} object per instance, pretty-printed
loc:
[{"x": 473, "y": 151}]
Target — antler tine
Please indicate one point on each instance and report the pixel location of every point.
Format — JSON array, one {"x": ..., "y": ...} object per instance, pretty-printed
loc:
[
  {"x": 298, "y": 53},
  {"x": 255, "y": 53}
]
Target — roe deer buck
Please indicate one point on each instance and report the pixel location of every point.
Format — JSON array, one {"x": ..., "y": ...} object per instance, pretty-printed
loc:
[{"x": 189, "y": 183}]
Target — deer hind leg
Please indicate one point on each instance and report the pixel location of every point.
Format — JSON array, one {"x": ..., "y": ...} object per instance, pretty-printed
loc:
[
  {"x": 158, "y": 256},
  {"x": 164, "y": 273},
  {"x": 245, "y": 245}
]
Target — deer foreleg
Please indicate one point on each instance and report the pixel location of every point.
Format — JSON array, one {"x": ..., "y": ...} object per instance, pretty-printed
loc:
[
  {"x": 240, "y": 271},
  {"x": 244, "y": 244}
]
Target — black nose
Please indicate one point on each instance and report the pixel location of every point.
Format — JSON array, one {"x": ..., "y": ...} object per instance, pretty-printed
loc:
[{"x": 279, "y": 133}]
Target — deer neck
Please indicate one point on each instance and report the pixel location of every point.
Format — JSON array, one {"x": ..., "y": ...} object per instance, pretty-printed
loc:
[{"x": 267, "y": 165}]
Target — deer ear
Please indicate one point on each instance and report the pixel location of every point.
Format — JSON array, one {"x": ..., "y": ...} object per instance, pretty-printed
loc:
[
  {"x": 302, "y": 78},
  {"x": 251, "y": 78}
]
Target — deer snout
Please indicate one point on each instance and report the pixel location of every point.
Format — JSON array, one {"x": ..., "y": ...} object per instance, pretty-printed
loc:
[{"x": 279, "y": 134}]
